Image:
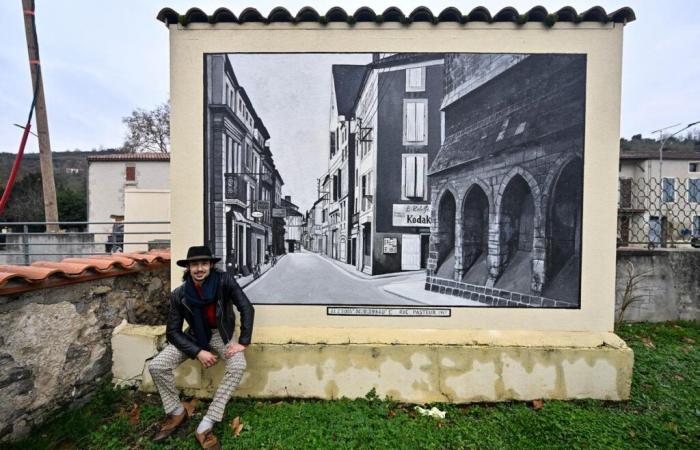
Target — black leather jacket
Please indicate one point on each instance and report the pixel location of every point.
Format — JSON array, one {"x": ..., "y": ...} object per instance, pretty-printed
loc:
[{"x": 229, "y": 293}]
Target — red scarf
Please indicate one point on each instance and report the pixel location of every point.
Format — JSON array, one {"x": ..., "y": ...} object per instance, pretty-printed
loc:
[{"x": 209, "y": 310}]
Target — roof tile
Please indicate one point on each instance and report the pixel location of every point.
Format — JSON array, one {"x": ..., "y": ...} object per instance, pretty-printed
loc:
[
  {"x": 43, "y": 274},
  {"x": 392, "y": 14}
]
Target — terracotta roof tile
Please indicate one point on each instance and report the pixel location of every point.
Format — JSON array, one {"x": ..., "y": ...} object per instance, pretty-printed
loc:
[
  {"x": 67, "y": 268},
  {"x": 149, "y": 156},
  {"x": 393, "y": 14},
  {"x": 15, "y": 279},
  {"x": 30, "y": 273}
]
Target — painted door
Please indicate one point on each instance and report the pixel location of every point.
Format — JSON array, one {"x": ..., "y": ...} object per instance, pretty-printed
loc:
[{"x": 410, "y": 252}]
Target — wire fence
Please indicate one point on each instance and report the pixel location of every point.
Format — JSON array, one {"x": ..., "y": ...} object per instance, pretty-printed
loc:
[
  {"x": 655, "y": 212},
  {"x": 27, "y": 242}
]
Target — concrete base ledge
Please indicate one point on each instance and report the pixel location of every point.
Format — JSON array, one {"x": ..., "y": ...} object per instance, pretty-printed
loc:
[{"x": 464, "y": 367}]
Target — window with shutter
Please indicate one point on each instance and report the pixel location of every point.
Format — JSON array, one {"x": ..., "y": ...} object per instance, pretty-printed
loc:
[
  {"x": 415, "y": 79},
  {"x": 131, "y": 173},
  {"x": 694, "y": 190},
  {"x": 413, "y": 175},
  {"x": 669, "y": 189},
  {"x": 415, "y": 122}
]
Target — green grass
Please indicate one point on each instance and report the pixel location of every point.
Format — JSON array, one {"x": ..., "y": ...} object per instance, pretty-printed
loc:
[{"x": 664, "y": 412}]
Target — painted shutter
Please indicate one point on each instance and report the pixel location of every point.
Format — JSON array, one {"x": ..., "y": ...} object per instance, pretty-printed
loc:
[
  {"x": 410, "y": 175},
  {"x": 410, "y": 122},
  {"x": 420, "y": 122},
  {"x": 420, "y": 176}
]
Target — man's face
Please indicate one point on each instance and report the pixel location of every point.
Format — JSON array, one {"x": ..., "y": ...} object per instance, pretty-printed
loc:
[{"x": 199, "y": 270}]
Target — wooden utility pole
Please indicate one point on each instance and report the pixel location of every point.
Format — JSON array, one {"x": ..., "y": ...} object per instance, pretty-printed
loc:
[{"x": 42, "y": 123}]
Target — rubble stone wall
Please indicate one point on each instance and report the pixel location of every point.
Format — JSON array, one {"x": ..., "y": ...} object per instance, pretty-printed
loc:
[{"x": 55, "y": 344}]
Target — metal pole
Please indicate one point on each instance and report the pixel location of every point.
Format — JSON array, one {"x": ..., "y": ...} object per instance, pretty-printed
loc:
[
  {"x": 25, "y": 244},
  {"x": 42, "y": 123}
]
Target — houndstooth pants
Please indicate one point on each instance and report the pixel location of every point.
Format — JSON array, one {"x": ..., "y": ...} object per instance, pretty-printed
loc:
[{"x": 163, "y": 365}]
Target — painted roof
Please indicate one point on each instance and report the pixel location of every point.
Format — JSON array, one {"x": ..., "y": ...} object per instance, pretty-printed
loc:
[
  {"x": 15, "y": 279},
  {"x": 393, "y": 14},
  {"x": 690, "y": 155},
  {"x": 146, "y": 156},
  {"x": 346, "y": 82}
]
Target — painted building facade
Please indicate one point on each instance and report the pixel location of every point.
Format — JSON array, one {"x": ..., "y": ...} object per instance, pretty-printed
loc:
[
  {"x": 506, "y": 186},
  {"x": 398, "y": 134},
  {"x": 240, "y": 175}
]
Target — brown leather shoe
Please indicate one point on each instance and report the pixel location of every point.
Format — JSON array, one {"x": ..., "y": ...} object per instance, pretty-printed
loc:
[
  {"x": 207, "y": 440},
  {"x": 172, "y": 423}
]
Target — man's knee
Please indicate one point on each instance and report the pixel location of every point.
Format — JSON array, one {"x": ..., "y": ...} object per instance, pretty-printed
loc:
[
  {"x": 237, "y": 363},
  {"x": 158, "y": 365}
]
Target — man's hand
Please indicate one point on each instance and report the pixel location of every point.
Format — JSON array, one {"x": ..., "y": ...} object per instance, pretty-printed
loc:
[
  {"x": 206, "y": 358},
  {"x": 233, "y": 348}
]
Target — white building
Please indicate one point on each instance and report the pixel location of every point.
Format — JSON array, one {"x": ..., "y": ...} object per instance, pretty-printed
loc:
[
  {"x": 659, "y": 203},
  {"x": 110, "y": 176}
]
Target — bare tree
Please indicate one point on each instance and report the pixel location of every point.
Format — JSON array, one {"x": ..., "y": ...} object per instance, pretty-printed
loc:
[
  {"x": 148, "y": 131},
  {"x": 630, "y": 295}
]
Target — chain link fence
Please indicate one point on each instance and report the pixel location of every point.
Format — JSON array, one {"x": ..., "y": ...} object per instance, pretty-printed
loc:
[{"x": 656, "y": 212}]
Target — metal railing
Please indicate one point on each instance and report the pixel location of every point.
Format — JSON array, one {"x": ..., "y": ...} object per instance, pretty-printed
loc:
[
  {"x": 26, "y": 242},
  {"x": 659, "y": 213}
]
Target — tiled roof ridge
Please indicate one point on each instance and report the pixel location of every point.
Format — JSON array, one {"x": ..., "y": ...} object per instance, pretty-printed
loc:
[
  {"x": 143, "y": 156},
  {"x": 15, "y": 279},
  {"x": 394, "y": 14}
]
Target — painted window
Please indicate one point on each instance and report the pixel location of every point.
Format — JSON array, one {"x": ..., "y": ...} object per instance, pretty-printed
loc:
[
  {"x": 413, "y": 175},
  {"x": 415, "y": 113},
  {"x": 694, "y": 167},
  {"x": 694, "y": 190},
  {"x": 415, "y": 79},
  {"x": 669, "y": 189},
  {"x": 229, "y": 154},
  {"x": 131, "y": 173}
]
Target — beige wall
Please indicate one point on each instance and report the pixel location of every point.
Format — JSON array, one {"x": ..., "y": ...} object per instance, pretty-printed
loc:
[
  {"x": 106, "y": 185},
  {"x": 601, "y": 42},
  {"x": 145, "y": 205}
]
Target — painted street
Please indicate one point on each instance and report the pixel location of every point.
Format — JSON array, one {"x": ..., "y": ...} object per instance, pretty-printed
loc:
[{"x": 305, "y": 277}]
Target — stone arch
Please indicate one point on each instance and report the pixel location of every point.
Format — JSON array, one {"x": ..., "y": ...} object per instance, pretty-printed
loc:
[
  {"x": 532, "y": 183},
  {"x": 445, "y": 215},
  {"x": 516, "y": 234},
  {"x": 563, "y": 229},
  {"x": 475, "y": 213},
  {"x": 471, "y": 183}
]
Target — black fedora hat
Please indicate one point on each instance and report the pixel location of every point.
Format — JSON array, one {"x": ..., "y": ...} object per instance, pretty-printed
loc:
[{"x": 198, "y": 253}]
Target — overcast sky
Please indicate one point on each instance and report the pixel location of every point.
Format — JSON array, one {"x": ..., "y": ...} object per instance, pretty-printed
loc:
[
  {"x": 297, "y": 118},
  {"x": 103, "y": 59}
]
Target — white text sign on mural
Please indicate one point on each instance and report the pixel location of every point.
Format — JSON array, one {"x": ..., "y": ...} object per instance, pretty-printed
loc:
[{"x": 411, "y": 215}]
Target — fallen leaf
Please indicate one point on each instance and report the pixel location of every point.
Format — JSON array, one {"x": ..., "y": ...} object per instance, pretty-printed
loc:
[
  {"x": 134, "y": 414},
  {"x": 537, "y": 404},
  {"x": 235, "y": 422},
  {"x": 392, "y": 413},
  {"x": 678, "y": 377},
  {"x": 689, "y": 340},
  {"x": 648, "y": 343},
  {"x": 440, "y": 424},
  {"x": 646, "y": 385},
  {"x": 239, "y": 428}
]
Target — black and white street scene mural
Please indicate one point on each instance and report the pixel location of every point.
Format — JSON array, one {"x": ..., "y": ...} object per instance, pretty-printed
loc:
[{"x": 397, "y": 179}]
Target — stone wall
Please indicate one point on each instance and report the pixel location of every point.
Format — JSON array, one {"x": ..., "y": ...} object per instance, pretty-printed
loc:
[
  {"x": 55, "y": 344},
  {"x": 668, "y": 287}
]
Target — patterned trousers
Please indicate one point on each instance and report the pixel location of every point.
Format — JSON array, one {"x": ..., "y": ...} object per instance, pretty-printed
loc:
[{"x": 162, "y": 366}]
